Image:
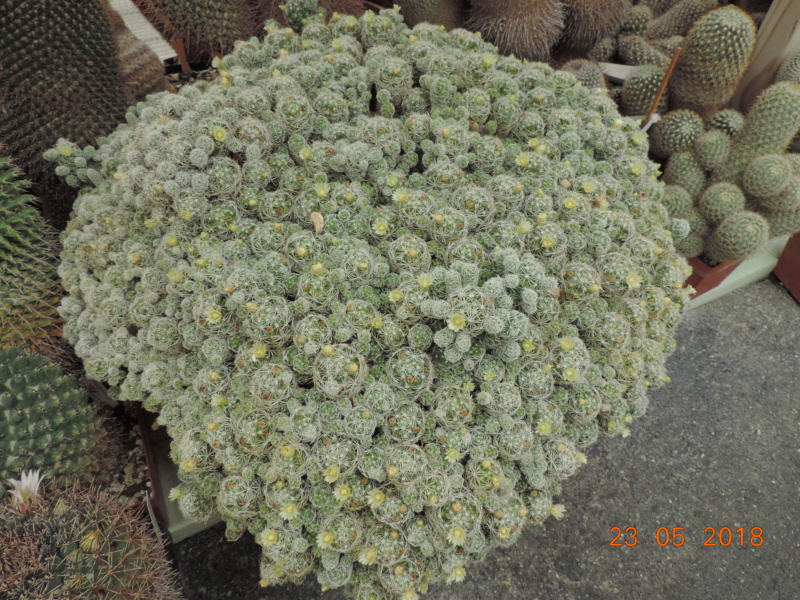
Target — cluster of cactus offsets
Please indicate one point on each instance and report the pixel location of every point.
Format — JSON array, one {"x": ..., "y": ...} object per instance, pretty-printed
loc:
[
  {"x": 678, "y": 129},
  {"x": 380, "y": 327},
  {"x": 46, "y": 422},
  {"x": 29, "y": 287},
  {"x": 745, "y": 187},
  {"x": 82, "y": 545}
]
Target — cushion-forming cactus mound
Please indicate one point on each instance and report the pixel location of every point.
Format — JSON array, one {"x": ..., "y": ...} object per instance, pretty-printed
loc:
[{"x": 383, "y": 285}]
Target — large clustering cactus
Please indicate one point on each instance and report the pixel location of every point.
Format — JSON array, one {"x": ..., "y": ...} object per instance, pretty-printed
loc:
[
  {"x": 46, "y": 421},
  {"x": 746, "y": 189},
  {"x": 81, "y": 545},
  {"x": 380, "y": 326},
  {"x": 29, "y": 287},
  {"x": 59, "y": 77}
]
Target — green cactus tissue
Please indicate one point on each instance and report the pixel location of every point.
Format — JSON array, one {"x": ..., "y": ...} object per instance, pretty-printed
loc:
[{"x": 384, "y": 287}]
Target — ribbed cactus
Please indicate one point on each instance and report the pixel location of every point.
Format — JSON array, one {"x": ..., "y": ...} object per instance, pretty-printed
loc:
[
  {"x": 719, "y": 201},
  {"x": 637, "y": 20},
  {"x": 712, "y": 149},
  {"x": 738, "y": 236},
  {"x": 588, "y": 72},
  {"x": 635, "y": 50},
  {"x": 676, "y": 130},
  {"x": 766, "y": 176},
  {"x": 82, "y": 545},
  {"x": 449, "y": 13},
  {"x": 728, "y": 120},
  {"x": 789, "y": 69},
  {"x": 676, "y": 200},
  {"x": 640, "y": 89},
  {"x": 59, "y": 77},
  {"x": 771, "y": 124},
  {"x": 46, "y": 422},
  {"x": 587, "y": 22},
  {"x": 679, "y": 18},
  {"x": 715, "y": 55},
  {"x": 683, "y": 169},
  {"x": 29, "y": 287},
  {"x": 524, "y": 28}
]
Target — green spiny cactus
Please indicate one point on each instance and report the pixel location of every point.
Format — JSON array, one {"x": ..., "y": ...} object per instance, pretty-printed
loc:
[
  {"x": 635, "y": 50},
  {"x": 604, "y": 50},
  {"x": 738, "y": 236},
  {"x": 728, "y": 120},
  {"x": 640, "y": 89},
  {"x": 690, "y": 246},
  {"x": 677, "y": 130},
  {"x": 587, "y": 22},
  {"x": 525, "y": 28},
  {"x": 787, "y": 201},
  {"x": 588, "y": 72},
  {"x": 715, "y": 55},
  {"x": 783, "y": 222},
  {"x": 667, "y": 45},
  {"x": 53, "y": 84},
  {"x": 789, "y": 69},
  {"x": 684, "y": 169},
  {"x": 676, "y": 200},
  {"x": 794, "y": 161},
  {"x": 766, "y": 176},
  {"x": 82, "y": 545},
  {"x": 29, "y": 287},
  {"x": 46, "y": 422},
  {"x": 771, "y": 124},
  {"x": 679, "y": 18},
  {"x": 637, "y": 20},
  {"x": 719, "y": 201},
  {"x": 449, "y": 13},
  {"x": 712, "y": 149}
]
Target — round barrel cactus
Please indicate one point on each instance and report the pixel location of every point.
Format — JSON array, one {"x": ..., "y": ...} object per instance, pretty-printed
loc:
[{"x": 384, "y": 286}]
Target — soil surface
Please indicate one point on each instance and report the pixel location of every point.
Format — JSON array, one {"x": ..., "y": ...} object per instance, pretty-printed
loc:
[{"x": 719, "y": 447}]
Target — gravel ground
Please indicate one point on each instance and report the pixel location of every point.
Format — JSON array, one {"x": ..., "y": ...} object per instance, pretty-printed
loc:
[{"x": 719, "y": 447}]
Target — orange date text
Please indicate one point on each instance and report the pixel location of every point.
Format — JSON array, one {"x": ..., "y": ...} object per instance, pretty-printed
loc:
[{"x": 676, "y": 536}]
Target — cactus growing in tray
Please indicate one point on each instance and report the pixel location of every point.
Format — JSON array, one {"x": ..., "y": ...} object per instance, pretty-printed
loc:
[
  {"x": 29, "y": 287},
  {"x": 375, "y": 325},
  {"x": 81, "y": 545},
  {"x": 46, "y": 422}
]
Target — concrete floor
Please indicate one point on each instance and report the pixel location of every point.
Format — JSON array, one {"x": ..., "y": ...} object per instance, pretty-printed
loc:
[{"x": 719, "y": 447}]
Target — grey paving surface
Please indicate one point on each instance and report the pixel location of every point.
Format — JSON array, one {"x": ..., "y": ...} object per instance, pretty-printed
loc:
[{"x": 719, "y": 447}]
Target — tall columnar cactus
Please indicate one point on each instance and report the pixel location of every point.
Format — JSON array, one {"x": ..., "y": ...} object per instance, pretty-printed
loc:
[
  {"x": 524, "y": 28},
  {"x": 586, "y": 23},
  {"x": 679, "y": 18},
  {"x": 716, "y": 53},
  {"x": 82, "y": 545},
  {"x": 59, "y": 77},
  {"x": 29, "y": 287},
  {"x": 376, "y": 325},
  {"x": 46, "y": 421},
  {"x": 772, "y": 123},
  {"x": 450, "y": 13}
]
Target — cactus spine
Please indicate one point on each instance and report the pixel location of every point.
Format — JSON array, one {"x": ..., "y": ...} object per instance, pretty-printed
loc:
[{"x": 83, "y": 545}]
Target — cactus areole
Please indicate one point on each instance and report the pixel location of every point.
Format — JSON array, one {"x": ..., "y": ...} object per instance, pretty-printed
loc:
[{"x": 384, "y": 287}]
